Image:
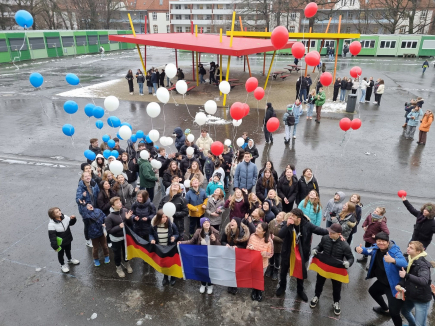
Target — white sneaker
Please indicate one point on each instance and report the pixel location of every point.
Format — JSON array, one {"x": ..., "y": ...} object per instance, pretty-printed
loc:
[
  {"x": 375, "y": 102},
  {"x": 73, "y": 261},
  {"x": 294, "y": 136},
  {"x": 210, "y": 289},
  {"x": 64, "y": 268},
  {"x": 89, "y": 243},
  {"x": 202, "y": 289},
  {"x": 109, "y": 245},
  {"x": 128, "y": 267},
  {"x": 120, "y": 271}
]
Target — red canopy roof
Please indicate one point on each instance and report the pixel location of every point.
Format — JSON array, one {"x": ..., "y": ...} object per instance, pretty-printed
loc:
[{"x": 205, "y": 43}]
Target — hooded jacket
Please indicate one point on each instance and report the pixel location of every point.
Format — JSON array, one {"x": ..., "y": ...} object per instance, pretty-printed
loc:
[
  {"x": 172, "y": 231},
  {"x": 94, "y": 165},
  {"x": 96, "y": 150},
  {"x": 241, "y": 241},
  {"x": 204, "y": 143},
  {"x": 103, "y": 201},
  {"x": 195, "y": 200},
  {"x": 132, "y": 154},
  {"x": 286, "y": 191},
  {"x": 127, "y": 194},
  {"x": 142, "y": 210},
  {"x": 269, "y": 114},
  {"x": 426, "y": 122},
  {"x": 321, "y": 99},
  {"x": 180, "y": 138},
  {"x": 417, "y": 281},
  {"x": 181, "y": 210},
  {"x": 60, "y": 229},
  {"x": 114, "y": 219},
  {"x": 268, "y": 214},
  {"x": 337, "y": 249},
  {"x": 253, "y": 150},
  {"x": 374, "y": 226},
  {"x": 212, "y": 206},
  {"x": 96, "y": 218},
  {"x": 333, "y": 208},
  {"x": 296, "y": 110},
  {"x": 343, "y": 84},
  {"x": 245, "y": 175},
  {"x": 89, "y": 198},
  {"x": 424, "y": 228},
  {"x": 146, "y": 174},
  {"x": 347, "y": 224},
  {"x": 212, "y": 186},
  {"x": 198, "y": 240},
  {"x": 305, "y": 187}
]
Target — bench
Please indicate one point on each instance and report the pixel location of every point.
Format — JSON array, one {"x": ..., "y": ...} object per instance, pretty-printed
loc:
[
  {"x": 284, "y": 77},
  {"x": 276, "y": 73},
  {"x": 294, "y": 67},
  {"x": 190, "y": 88},
  {"x": 232, "y": 80},
  {"x": 174, "y": 87}
]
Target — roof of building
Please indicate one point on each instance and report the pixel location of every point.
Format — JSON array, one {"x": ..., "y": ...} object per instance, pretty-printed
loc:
[{"x": 152, "y": 5}]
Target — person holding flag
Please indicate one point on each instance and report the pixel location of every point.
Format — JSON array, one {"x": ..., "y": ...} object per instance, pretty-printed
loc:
[
  {"x": 296, "y": 235},
  {"x": 328, "y": 261}
]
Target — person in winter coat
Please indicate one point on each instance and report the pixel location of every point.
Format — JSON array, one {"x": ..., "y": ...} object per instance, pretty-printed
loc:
[
  {"x": 379, "y": 90},
  {"x": 269, "y": 215},
  {"x": 424, "y": 228},
  {"x": 98, "y": 165},
  {"x": 288, "y": 190},
  {"x": 270, "y": 113},
  {"x": 162, "y": 78},
  {"x": 87, "y": 193},
  {"x": 164, "y": 232},
  {"x": 252, "y": 150},
  {"x": 108, "y": 176},
  {"x": 170, "y": 172},
  {"x": 227, "y": 156},
  {"x": 164, "y": 159},
  {"x": 218, "y": 170},
  {"x": 256, "y": 217},
  {"x": 261, "y": 241},
  {"x": 343, "y": 87},
  {"x": 268, "y": 165},
  {"x": 115, "y": 222},
  {"x": 149, "y": 83},
  {"x": 202, "y": 73},
  {"x": 355, "y": 85},
  {"x": 140, "y": 78},
  {"x": 298, "y": 88},
  {"x": 312, "y": 208},
  {"x": 212, "y": 72},
  {"x": 209, "y": 166},
  {"x": 369, "y": 91},
  {"x": 332, "y": 245},
  {"x": 125, "y": 191},
  {"x": 291, "y": 167},
  {"x": 104, "y": 196},
  {"x": 196, "y": 200},
  {"x": 333, "y": 208},
  {"x": 94, "y": 147},
  {"x": 129, "y": 78},
  {"x": 349, "y": 86},
  {"x": 180, "y": 74},
  {"x": 238, "y": 204},
  {"x": 304, "y": 89},
  {"x": 414, "y": 117},
  {"x": 425, "y": 65},
  {"x": 143, "y": 211},
  {"x": 296, "y": 226},
  {"x": 207, "y": 235},
  {"x": 213, "y": 185},
  {"x": 214, "y": 208},
  {"x": 175, "y": 196},
  {"x": 131, "y": 151},
  {"x": 147, "y": 177},
  {"x": 204, "y": 143},
  {"x": 130, "y": 168},
  {"x": 96, "y": 218},
  {"x": 275, "y": 261},
  {"x": 186, "y": 163},
  {"x": 385, "y": 263},
  {"x": 424, "y": 127},
  {"x": 245, "y": 176},
  {"x": 291, "y": 119},
  {"x": 356, "y": 199},
  {"x": 179, "y": 138},
  {"x": 415, "y": 280},
  {"x": 155, "y": 80},
  {"x": 275, "y": 201},
  {"x": 364, "y": 85},
  {"x": 374, "y": 223},
  {"x": 61, "y": 237},
  {"x": 337, "y": 86},
  {"x": 307, "y": 182},
  {"x": 320, "y": 100},
  {"x": 194, "y": 172},
  {"x": 197, "y": 153},
  {"x": 254, "y": 202},
  {"x": 346, "y": 219},
  {"x": 264, "y": 184}
]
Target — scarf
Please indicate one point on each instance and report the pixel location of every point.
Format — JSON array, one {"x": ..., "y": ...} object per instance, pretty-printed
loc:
[
  {"x": 376, "y": 217},
  {"x": 411, "y": 260}
]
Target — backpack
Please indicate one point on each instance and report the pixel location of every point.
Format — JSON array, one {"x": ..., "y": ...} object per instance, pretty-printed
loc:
[{"x": 290, "y": 120}]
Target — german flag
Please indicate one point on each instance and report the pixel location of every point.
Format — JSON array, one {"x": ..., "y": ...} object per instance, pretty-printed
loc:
[
  {"x": 164, "y": 259},
  {"x": 296, "y": 264},
  {"x": 329, "y": 267}
]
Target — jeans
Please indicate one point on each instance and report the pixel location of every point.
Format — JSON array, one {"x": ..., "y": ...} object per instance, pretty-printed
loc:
[
  {"x": 65, "y": 249},
  {"x": 304, "y": 94},
  {"x": 97, "y": 243},
  {"x": 212, "y": 79},
  {"x": 336, "y": 288},
  {"x": 155, "y": 86},
  {"x": 424, "y": 69},
  {"x": 86, "y": 222},
  {"x": 331, "y": 56},
  {"x": 288, "y": 130},
  {"x": 363, "y": 96},
  {"x": 421, "y": 309},
  {"x": 227, "y": 180},
  {"x": 310, "y": 110},
  {"x": 168, "y": 81},
  {"x": 140, "y": 88},
  {"x": 150, "y": 89},
  {"x": 410, "y": 131},
  {"x": 342, "y": 94},
  {"x": 118, "y": 252},
  {"x": 377, "y": 290},
  {"x": 201, "y": 79},
  {"x": 193, "y": 224}
]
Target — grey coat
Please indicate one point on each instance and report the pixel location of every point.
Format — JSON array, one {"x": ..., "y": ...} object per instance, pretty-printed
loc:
[
  {"x": 212, "y": 207},
  {"x": 334, "y": 207},
  {"x": 245, "y": 175}
]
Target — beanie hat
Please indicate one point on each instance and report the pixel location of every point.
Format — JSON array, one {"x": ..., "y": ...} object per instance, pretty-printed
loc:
[
  {"x": 382, "y": 236},
  {"x": 203, "y": 219},
  {"x": 218, "y": 174},
  {"x": 290, "y": 107}
]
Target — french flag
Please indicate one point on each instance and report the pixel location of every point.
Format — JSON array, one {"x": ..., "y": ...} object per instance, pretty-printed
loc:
[{"x": 219, "y": 265}]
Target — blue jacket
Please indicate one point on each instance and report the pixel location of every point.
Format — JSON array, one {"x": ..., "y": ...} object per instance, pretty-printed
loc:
[
  {"x": 89, "y": 199},
  {"x": 417, "y": 116},
  {"x": 392, "y": 270},
  {"x": 97, "y": 217},
  {"x": 297, "y": 112},
  {"x": 212, "y": 186},
  {"x": 179, "y": 140},
  {"x": 245, "y": 175},
  {"x": 195, "y": 198},
  {"x": 315, "y": 218},
  {"x": 154, "y": 78}
]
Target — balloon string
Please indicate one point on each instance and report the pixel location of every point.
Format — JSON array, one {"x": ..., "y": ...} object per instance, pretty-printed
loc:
[
  {"x": 19, "y": 51},
  {"x": 164, "y": 119},
  {"x": 72, "y": 141},
  {"x": 152, "y": 127},
  {"x": 184, "y": 98},
  {"x": 92, "y": 98},
  {"x": 350, "y": 135},
  {"x": 175, "y": 102},
  {"x": 258, "y": 119}
]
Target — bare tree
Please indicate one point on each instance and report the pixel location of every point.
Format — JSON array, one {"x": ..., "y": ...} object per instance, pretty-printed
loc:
[
  {"x": 389, "y": 14},
  {"x": 418, "y": 25},
  {"x": 6, "y": 21},
  {"x": 261, "y": 9}
]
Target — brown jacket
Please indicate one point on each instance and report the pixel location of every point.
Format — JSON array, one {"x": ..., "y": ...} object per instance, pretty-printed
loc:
[
  {"x": 426, "y": 122},
  {"x": 274, "y": 228},
  {"x": 196, "y": 239}
]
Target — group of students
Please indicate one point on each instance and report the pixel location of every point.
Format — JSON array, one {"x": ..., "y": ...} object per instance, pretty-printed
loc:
[
  {"x": 153, "y": 79},
  {"x": 345, "y": 86},
  {"x": 414, "y": 115}
]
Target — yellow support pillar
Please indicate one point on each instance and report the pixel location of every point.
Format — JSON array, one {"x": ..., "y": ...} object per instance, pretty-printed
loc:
[
  {"x": 137, "y": 45},
  {"x": 220, "y": 75},
  {"x": 232, "y": 28},
  {"x": 227, "y": 77},
  {"x": 270, "y": 68}
]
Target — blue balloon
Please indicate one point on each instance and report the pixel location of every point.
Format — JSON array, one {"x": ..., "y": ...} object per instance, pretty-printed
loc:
[
  {"x": 148, "y": 139},
  {"x": 68, "y": 129},
  {"x": 90, "y": 155},
  {"x": 70, "y": 107},
  {"x": 72, "y": 79},
  {"x": 106, "y": 138},
  {"x": 156, "y": 147},
  {"x": 113, "y": 121},
  {"x": 140, "y": 134},
  {"x": 107, "y": 153},
  {"x": 111, "y": 143},
  {"x": 133, "y": 138},
  {"x": 98, "y": 112},
  {"x": 36, "y": 79},
  {"x": 99, "y": 124},
  {"x": 117, "y": 135},
  {"x": 24, "y": 18},
  {"x": 114, "y": 153},
  {"x": 126, "y": 124},
  {"x": 89, "y": 109}
]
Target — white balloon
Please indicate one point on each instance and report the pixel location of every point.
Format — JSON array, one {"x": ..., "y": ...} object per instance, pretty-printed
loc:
[
  {"x": 153, "y": 109},
  {"x": 170, "y": 70},
  {"x": 210, "y": 107},
  {"x": 200, "y": 118},
  {"x": 154, "y": 135},
  {"x": 169, "y": 141},
  {"x": 164, "y": 141},
  {"x": 181, "y": 87},
  {"x": 190, "y": 137},
  {"x": 169, "y": 209},
  {"x": 116, "y": 167},
  {"x": 187, "y": 183},
  {"x": 125, "y": 132},
  {"x": 156, "y": 164},
  {"x": 225, "y": 87},
  {"x": 144, "y": 155},
  {"x": 111, "y": 103},
  {"x": 227, "y": 142},
  {"x": 237, "y": 123},
  {"x": 163, "y": 95},
  {"x": 190, "y": 150},
  {"x": 240, "y": 141}
]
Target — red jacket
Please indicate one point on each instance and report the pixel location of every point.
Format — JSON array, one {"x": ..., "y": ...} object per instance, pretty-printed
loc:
[{"x": 374, "y": 228}]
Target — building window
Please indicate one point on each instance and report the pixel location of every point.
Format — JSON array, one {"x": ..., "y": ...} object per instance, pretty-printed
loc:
[
  {"x": 179, "y": 29},
  {"x": 177, "y": 6},
  {"x": 187, "y": 29},
  {"x": 219, "y": 6},
  {"x": 312, "y": 45},
  {"x": 168, "y": 28},
  {"x": 293, "y": 16},
  {"x": 402, "y": 30},
  {"x": 408, "y": 45},
  {"x": 167, "y": 16},
  {"x": 187, "y": 17},
  {"x": 348, "y": 29},
  {"x": 329, "y": 43},
  {"x": 343, "y": 2},
  {"x": 369, "y": 44},
  {"x": 208, "y": 17},
  {"x": 349, "y": 15},
  {"x": 207, "y": 30},
  {"x": 154, "y": 16},
  {"x": 423, "y": 15},
  {"x": 178, "y": 17},
  {"x": 155, "y": 29},
  {"x": 200, "y": 6},
  {"x": 291, "y": 29},
  {"x": 351, "y": 2},
  {"x": 387, "y": 44},
  {"x": 199, "y": 17}
]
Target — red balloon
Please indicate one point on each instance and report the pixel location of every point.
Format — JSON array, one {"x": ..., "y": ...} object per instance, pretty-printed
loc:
[
  {"x": 345, "y": 124},
  {"x": 355, "y": 71},
  {"x": 326, "y": 79},
  {"x": 310, "y": 10},
  {"x": 279, "y": 37},
  {"x": 355, "y": 47},
  {"x": 217, "y": 148},
  {"x": 272, "y": 124},
  {"x": 245, "y": 109},
  {"x": 298, "y": 50},
  {"x": 237, "y": 112},
  {"x": 258, "y": 93},
  {"x": 251, "y": 84},
  {"x": 312, "y": 58},
  {"x": 401, "y": 193},
  {"x": 355, "y": 124}
]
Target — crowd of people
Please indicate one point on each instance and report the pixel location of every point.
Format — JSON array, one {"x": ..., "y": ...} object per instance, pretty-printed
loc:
[{"x": 227, "y": 201}]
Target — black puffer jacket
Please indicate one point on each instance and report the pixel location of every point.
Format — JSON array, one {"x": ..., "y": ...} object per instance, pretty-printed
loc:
[
  {"x": 140, "y": 210},
  {"x": 131, "y": 172},
  {"x": 338, "y": 249},
  {"x": 417, "y": 281},
  {"x": 349, "y": 85},
  {"x": 424, "y": 228},
  {"x": 181, "y": 210},
  {"x": 304, "y": 188},
  {"x": 114, "y": 219},
  {"x": 261, "y": 191},
  {"x": 167, "y": 177},
  {"x": 103, "y": 201},
  {"x": 286, "y": 191},
  {"x": 344, "y": 84},
  {"x": 186, "y": 163},
  {"x": 165, "y": 163},
  {"x": 196, "y": 152},
  {"x": 254, "y": 152}
]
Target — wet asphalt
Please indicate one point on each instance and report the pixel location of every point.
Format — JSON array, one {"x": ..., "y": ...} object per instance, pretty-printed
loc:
[{"x": 40, "y": 168}]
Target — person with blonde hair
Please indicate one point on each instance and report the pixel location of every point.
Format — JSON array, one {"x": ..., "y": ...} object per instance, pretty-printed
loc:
[
  {"x": 312, "y": 208},
  {"x": 275, "y": 201},
  {"x": 346, "y": 219},
  {"x": 196, "y": 200},
  {"x": 254, "y": 202},
  {"x": 238, "y": 204},
  {"x": 175, "y": 196}
]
